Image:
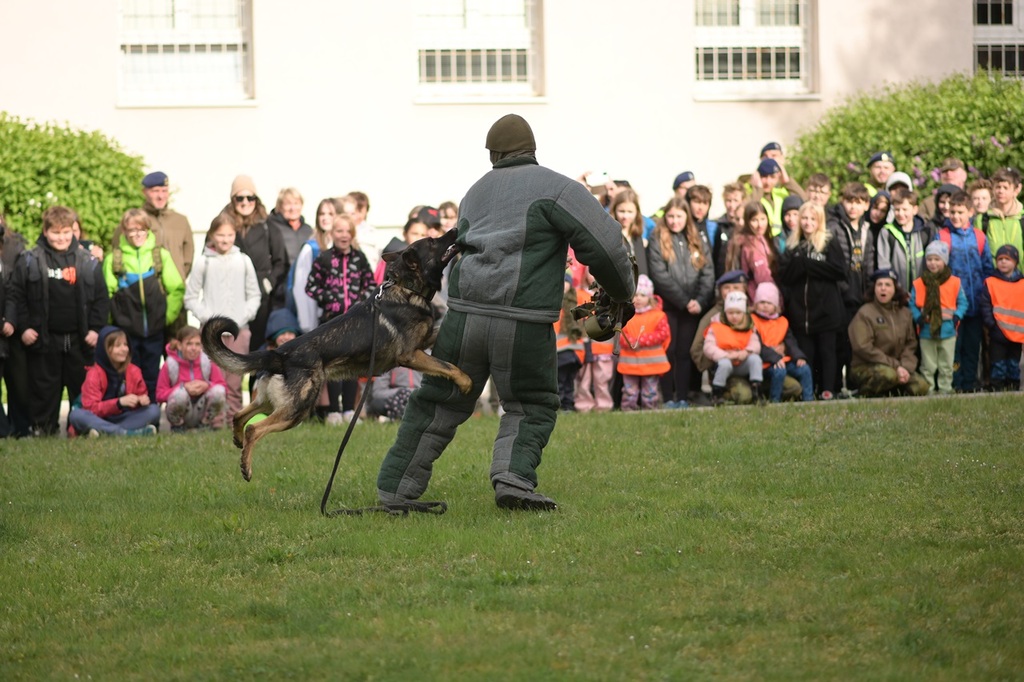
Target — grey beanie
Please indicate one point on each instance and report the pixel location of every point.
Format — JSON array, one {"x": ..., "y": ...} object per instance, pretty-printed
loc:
[{"x": 937, "y": 248}]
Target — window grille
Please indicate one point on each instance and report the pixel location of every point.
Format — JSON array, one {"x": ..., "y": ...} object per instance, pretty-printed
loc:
[
  {"x": 472, "y": 47},
  {"x": 998, "y": 37},
  {"x": 185, "y": 52},
  {"x": 752, "y": 47}
]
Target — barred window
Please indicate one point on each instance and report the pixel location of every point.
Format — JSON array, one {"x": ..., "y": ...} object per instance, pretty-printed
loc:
[
  {"x": 479, "y": 47},
  {"x": 752, "y": 47},
  {"x": 998, "y": 37},
  {"x": 185, "y": 52}
]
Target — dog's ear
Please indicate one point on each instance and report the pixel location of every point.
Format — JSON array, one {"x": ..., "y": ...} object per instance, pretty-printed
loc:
[
  {"x": 390, "y": 256},
  {"x": 411, "y": 258}
]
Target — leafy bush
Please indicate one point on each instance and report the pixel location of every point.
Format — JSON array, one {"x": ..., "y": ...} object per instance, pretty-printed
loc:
[
  {"x": 973, "y": 118},
  {"x": 43, "y": 165}
]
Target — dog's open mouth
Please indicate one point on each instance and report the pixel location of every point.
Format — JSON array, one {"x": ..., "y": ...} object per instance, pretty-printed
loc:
[{"x": 450, "y": 253}]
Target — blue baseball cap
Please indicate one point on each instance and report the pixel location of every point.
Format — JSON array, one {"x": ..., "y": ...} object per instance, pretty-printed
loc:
[
  {"x": 155, "y": 179},
  {"x": 685, "y": 176},
  {"x": 768, "y": 167}
]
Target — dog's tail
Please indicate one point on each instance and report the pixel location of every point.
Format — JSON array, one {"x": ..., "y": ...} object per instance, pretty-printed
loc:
[{"x": 227, "y": 359}]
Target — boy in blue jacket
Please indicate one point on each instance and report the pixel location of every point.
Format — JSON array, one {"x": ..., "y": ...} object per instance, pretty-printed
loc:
[{"x": 971, "y": 261}]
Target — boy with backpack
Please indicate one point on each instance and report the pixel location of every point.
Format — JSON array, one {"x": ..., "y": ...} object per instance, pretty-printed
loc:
[{"x": 146, "y": 292}]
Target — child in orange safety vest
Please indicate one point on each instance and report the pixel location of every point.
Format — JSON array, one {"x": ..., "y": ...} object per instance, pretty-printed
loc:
[
  {"x": 569, "y": 345},
  {"x": 642, "y": 354},
  {"x": 1002, "y": 309},
  {"x": 937, "y": 304},
  {"x": 733, "y": 347},
  {"x": 779, "y": 350}
]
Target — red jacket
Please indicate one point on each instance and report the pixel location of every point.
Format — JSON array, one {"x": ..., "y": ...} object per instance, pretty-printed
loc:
[{"x": 95, "y": 386}]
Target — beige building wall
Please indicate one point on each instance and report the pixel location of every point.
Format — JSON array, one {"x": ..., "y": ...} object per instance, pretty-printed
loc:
[{"x": 336, "y": 107}]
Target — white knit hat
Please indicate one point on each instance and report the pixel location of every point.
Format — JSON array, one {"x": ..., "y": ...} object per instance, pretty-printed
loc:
[{"x": 736, "y": 300}]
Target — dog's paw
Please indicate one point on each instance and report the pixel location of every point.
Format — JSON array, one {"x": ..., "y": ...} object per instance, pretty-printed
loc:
[
  {"x": 246, "y": 471},
  {"x": 464, "y": 383},
  {"x": 237, "y": 441}
]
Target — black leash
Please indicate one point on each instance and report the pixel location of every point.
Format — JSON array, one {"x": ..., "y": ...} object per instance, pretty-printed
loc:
[{"x": 401, "y": 509}]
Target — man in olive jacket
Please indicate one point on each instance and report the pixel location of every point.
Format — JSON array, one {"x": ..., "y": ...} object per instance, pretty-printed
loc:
[{"x": 505, "y": 293}]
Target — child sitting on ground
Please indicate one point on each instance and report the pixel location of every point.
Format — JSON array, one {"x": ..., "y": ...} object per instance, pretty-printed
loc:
[
  {"x": 192, "y": 386},
  {"x": 114, "y": 399},
  {"x": 642, "y": 356},
  {"x": 779, "y": 350},
  {"x": 391, "y": 391},
  {"x": 734, "y": 348},
  {"x": 937, "y": 303},
  {"x": 1002, "y": 308}
]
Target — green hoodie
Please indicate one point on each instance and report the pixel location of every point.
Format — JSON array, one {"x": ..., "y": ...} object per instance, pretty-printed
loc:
[{"x": 138, "y": 261}]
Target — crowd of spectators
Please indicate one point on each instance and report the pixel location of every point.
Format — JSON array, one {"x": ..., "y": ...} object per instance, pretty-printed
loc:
[{"x": 786, "y": 295}]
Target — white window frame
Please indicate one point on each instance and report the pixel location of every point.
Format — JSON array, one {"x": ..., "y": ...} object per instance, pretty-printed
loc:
[
  {"x": 749, "y": 39},
  {"x": 1001, "y": 37},
  {"x": 503, "y": 37},
  {"x": 181, "y": 63}
]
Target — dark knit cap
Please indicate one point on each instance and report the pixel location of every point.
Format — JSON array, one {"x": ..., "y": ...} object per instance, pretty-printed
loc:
[
  {"x": 791, "y": 203},
  {"x": 510, "y": 133},
  {"x": 1010, "y": 251}
]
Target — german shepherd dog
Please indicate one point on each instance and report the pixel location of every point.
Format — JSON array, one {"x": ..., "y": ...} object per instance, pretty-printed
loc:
[{"x": 290, "y": 377}]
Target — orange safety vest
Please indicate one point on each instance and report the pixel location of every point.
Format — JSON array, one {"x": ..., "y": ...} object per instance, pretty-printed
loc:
[
  {"x": 948, "y": 291},
  {"x": 772, "y": 332},
  {"x": 1008, "y": 307},
  {"x": 643, "y": 361},
  {"x": 562, "y": 341},
  {"x": 729, "y": 338}
]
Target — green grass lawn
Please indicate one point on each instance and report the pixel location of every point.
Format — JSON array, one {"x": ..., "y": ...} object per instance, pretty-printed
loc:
[{"x": 877, "y": 540}]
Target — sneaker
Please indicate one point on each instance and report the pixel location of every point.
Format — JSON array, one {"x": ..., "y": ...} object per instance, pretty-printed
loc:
[
  {"x": 93, "y": 433},
  {"x": 510, "y": 497},
  {"x": 334, "y": 419},
  {"x": 147, "y": 430},
  {"x": 349, "y": 415},
  {"x": 671, "y": 404}
]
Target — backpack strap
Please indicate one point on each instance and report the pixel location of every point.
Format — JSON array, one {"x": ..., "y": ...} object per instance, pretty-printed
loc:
[
  {"x": 117, "y": 263},
  {"x": 205, "y": 367}
]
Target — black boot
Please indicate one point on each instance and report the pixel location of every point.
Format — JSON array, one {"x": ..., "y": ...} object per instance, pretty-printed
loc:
[
  {"x": 758, "y": 393},
  {"x": 717, "y": 396}
]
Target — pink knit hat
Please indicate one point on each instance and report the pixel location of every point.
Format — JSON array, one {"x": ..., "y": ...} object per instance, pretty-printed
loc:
[
  {"x": 766, "y": 291},
  {"x": 644, "y": 286}
]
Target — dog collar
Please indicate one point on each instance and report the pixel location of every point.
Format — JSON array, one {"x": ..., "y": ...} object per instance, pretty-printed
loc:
[{"x": 427, "y": 293}]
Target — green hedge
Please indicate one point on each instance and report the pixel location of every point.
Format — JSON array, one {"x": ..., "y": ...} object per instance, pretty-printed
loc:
[
  {"x": 974, "y": 118},
  {"x": 43, "y": 165}
]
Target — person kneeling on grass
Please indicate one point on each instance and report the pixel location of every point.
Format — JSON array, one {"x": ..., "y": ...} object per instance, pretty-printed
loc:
[
  {"x": 190, "y": 384},
  {"x": 114, "y": 399},
  {"x": 884, "y": 343}
]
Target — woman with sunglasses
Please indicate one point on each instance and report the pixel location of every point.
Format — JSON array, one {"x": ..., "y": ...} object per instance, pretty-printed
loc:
[{"x": 263, "y": 245}]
